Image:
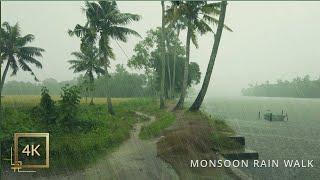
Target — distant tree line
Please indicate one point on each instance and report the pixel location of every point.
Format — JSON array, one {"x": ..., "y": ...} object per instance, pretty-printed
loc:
[
  {"x": 122, "y": 84},
  {"x": 298, "y": 87}
]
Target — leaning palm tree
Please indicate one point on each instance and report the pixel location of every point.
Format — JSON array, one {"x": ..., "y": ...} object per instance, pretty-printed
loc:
[
  {"x": 197, "y": 103},
  {"x": 88, "y": 61},
  {"x": 197, "y": 16},
  {"x": 105, "y": 22},
  {"x": 16, "y": 53}
]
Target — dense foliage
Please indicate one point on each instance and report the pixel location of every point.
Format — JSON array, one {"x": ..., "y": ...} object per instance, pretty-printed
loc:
[
  {"x": 81, "y": 132},
  {"x": 298, "y": 87},
  {"x": 147, "y": 57}
]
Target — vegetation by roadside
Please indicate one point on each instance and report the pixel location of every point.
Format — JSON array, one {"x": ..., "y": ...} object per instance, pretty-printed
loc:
[
  {"x": 93, "y": 134},
  {"x": 164, "y": 119},
  {"x": 195, "y": 136}
]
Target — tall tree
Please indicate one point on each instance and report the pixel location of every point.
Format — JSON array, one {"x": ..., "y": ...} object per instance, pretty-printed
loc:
[
  {"x": 162, "y": 45},
  {"x": 197, "y": 103},
  {"x": 176, "y": 25},
  {"x": 148, "y": 54},
  {"x": 105, "y": 22},
  {"x": 197, "y": 16},
  {"x": 88, "y": 61},
  {"x": 16, "y": 53}
]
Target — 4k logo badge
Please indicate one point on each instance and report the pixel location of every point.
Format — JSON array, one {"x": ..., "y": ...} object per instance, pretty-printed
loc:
[{"x": 31, "y": 151}]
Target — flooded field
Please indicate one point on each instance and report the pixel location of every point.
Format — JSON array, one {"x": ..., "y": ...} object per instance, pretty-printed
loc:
[{"x": 295, "y": 139}]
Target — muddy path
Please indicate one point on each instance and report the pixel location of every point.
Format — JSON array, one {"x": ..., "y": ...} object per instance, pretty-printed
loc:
[{"x": 134, "y": 159}]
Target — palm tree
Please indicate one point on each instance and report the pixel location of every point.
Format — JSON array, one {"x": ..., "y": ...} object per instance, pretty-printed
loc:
[
  {"x": 105, "y": 22},
  {"x": 88, "y": 61},
  {"x": 16, "y": 53},
  {"x": 177, "y": 25},
  {"x": 197, "y": 16},
  {"x": 162, "y": 45},
  {"x": 197, "y": 103}
]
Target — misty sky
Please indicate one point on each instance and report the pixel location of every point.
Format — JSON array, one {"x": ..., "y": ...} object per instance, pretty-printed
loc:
[{"x": 270, "y": 40}]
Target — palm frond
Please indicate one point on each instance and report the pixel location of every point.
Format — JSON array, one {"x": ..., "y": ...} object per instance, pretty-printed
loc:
[
  {"x": 121, "y": 33},
  {"x": 194, "y": 39}
]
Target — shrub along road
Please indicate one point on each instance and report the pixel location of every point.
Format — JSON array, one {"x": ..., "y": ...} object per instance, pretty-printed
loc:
[{"x": 134, "y": 159}]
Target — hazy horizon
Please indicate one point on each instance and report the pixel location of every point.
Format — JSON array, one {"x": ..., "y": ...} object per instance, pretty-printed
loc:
[{"x": 270, "y": 40}]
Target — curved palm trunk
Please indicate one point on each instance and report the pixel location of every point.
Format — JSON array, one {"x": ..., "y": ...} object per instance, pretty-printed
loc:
[
  {"x": 162, "y": 60},
  {"x": 186, "y": 70},
  {"x": 5, "y": 72},
  {"x": 197, "y": 103}
]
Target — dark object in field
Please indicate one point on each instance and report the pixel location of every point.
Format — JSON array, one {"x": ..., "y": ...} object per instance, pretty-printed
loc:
[{"x": 274, "y": 117}]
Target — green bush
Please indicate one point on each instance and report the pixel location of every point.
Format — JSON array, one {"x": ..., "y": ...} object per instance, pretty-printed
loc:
[
  {"x": 94, "y": 132},
  {"x": 70, "y": 99}
]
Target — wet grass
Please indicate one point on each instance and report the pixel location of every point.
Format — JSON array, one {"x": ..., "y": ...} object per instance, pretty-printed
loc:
[
  {"x": 195, "y": 136},
  {"x": 96, "y": 132},
  {"x": 163, "y": 120}
]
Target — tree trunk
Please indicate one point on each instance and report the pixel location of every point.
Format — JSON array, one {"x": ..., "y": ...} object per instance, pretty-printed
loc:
[
  {"x": 186, "y": 70},
  {"x": 173, "y": 82},
  {"x": 86, "y": 95},
  {"x": 173, "y": 86},
  {"x": 91, "y": 89},
  {"x": 168, "y": 67},
  {"x": 197, "y": 103},
  {"x": 4, "y": 75},
  {"x": 91, "y": 102},
  {"x": 162, "y": 59},
  {"x": 109, "y": 102}
]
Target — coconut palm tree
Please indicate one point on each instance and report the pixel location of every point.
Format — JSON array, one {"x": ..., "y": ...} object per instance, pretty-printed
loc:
[
  {"x": 162, "y": 45},
  {"x": 197, "y": 16},
  {"x": 88, "y": 61},
  {"x": 16, "y": 53},
  {"x": 197, "y": 103},
  {"x": 177, "y": 25},
  {"x": 105, "y": 22}
]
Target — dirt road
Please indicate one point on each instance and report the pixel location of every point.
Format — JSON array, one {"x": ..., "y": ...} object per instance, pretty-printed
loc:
[{"x": 135, "y": 159}]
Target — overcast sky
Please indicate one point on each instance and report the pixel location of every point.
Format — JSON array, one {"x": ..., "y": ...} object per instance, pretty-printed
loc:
[{"x": 270, "y": 40}]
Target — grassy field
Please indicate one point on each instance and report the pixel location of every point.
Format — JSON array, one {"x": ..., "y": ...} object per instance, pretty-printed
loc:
[
  {"x": 33, "y": 100},
  {"x": 94, "y": 134}
]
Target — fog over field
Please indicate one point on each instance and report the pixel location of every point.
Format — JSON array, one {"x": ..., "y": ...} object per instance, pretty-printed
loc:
[{"x": 271, "y": 40}]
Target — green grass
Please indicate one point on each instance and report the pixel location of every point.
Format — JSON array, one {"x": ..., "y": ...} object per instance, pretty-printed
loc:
[
  {"x": 95, "y": 134},
  {"x": 163, "y": 118}
]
